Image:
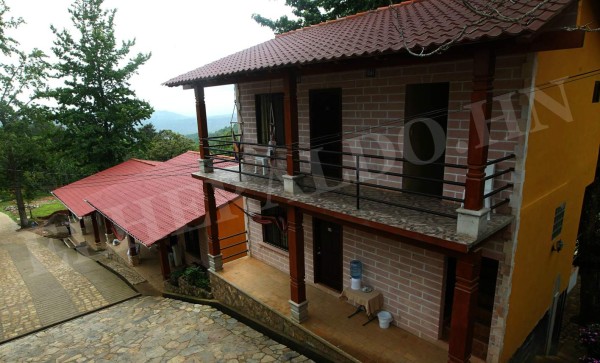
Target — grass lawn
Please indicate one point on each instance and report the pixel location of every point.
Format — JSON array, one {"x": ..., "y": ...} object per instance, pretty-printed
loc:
[{"x": 47, "y": 205}]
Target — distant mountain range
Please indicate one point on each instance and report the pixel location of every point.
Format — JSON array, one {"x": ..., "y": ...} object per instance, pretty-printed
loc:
[{"x": 166, "y": 120}]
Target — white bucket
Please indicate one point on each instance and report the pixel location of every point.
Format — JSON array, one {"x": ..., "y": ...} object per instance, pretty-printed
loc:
[{"x": 385, "y": 318}]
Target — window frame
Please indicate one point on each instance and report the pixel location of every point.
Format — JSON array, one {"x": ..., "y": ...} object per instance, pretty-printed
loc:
[
  {"x": 262, "y": 134},
  {"x": 271, "y": 233}
]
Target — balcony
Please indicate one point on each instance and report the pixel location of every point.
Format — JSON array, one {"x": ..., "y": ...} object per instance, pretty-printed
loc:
[{"x": 367, "y": 194}]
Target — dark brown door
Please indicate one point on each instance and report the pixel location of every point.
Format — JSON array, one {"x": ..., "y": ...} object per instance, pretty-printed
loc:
[
  {"x": 426, "y": 119},
  {"x": 326, "y": 132},
  {"x": 328, "y": 253}
]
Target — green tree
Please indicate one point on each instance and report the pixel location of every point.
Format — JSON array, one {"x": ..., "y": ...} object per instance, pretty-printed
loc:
[
  {"x": 310, "y": 12},
  {"x": 168, "y": 144},
  {"x": 22, "y": 122},
  {"x": 588, "y": 255},
  {"x": 100, "y": 113}
]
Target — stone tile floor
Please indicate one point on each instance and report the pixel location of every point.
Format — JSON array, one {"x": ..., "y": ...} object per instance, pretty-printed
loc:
[
  {"x": 43, "y": 282},
  {"x": 150, "y": 329}
]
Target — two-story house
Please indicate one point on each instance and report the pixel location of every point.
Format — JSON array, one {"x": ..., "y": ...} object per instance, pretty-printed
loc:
[{"x": 446, "y": 147}]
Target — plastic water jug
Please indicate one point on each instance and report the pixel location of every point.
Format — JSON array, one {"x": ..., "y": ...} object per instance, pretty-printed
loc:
[{"x": 356, "y": 269}]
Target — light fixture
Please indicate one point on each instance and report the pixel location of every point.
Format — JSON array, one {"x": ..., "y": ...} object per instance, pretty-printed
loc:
[
  {"x": 370, "y": 72},
  {"x": 558, "y": 245}
]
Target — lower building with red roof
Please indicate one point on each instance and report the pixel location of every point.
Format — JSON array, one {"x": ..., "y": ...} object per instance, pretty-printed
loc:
[{"x": 155, "y": 204}]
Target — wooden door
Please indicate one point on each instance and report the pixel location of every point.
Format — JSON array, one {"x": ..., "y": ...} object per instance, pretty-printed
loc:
[{"x": 327, "y": 238}]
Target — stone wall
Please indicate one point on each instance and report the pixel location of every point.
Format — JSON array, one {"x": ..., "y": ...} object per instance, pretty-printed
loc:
[{"x": 229, "y": 295}]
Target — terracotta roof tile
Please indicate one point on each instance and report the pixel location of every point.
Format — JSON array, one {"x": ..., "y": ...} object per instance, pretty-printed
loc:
[
  {"x": 159, "y": 201},
  {"x": 425, "y": 23},
  {"x": 73, "y": 195}
]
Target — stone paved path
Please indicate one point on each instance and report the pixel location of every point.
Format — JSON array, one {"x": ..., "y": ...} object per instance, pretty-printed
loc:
[
  {"x": 42, "y": 282},
  {"x": 150, "y": 329}
]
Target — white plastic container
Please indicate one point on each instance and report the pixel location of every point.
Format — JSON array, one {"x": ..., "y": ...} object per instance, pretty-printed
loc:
[
  {"x": 385, "y": 318},
  {"x": 355, "y": 284}
]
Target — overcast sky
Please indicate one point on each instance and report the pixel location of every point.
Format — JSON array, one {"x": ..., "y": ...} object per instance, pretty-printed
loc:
[{"x": 181, "y": 34}]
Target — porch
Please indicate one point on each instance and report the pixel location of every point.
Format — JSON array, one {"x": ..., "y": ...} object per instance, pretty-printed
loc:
[{"x": 328, "y": 317}]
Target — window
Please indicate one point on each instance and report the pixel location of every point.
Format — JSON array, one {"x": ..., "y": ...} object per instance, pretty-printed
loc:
[
  {"x": 274, "y": 233},
  {"x": 265, "y": 103},
  {"x": 192, "y": 242},
  {"x": 559, "y": 216}
]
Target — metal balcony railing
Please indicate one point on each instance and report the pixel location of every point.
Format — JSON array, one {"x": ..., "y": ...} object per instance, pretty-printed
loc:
[{"x": 361, "y": 168}]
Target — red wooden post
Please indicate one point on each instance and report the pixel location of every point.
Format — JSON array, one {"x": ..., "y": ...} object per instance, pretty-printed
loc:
[
  {"x": 212, "y": 229},
  {"x": 290, "y": 114},
  {"x": 163, "y": 252},
  {"x": 484, "y": 65},
  {"x": 295, "y": 235},
  {"x": 201, "y": 120},
  {"x": 95, "y": 227},
  {"x": 466, "y": 291}
]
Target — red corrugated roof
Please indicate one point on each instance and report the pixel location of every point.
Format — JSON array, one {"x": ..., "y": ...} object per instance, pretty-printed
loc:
[
  {"x": 158, "y": 202},
  {"x": 425, "y": 23},
  {"x": 73, "y": 195}
]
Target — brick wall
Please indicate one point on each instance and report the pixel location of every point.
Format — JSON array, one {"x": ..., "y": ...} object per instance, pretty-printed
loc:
[{"x": 373, "y": 112}]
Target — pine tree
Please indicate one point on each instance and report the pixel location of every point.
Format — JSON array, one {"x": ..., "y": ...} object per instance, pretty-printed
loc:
[
  {"x": 96, "y": 106},
  {"x": 310, "y": 12},
  {"x": 22, "y": 126}
]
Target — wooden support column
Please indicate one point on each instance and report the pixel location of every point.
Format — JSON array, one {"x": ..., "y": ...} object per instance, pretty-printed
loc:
[
  {"x": 290, "y": 115},
  {"x": 202, "y": 121},
  {"x": 108, "y": 230},
  {"x": 466, "y": 291},
  {"x": 94, "y": 217},
  {"x": 295, "y": 235},
  {"x": 82, "y": 225},
  {"x": 132, "y": 254},
  {"x": 215, "y": 259},
  {"x": 484, "y": 65},
  {"x": 163, "y": 251}
]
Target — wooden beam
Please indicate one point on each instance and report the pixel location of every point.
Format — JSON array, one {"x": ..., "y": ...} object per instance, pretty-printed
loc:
[
  {"x": 202, "y": 122},
  {"x": 295, "y": 235},
  {"x": 163, "y": 252},
  {"x": 290, "y": 114},
  {"x": 466, "y": 291},
  {"x": 212, "y": 228},
  {"x": 484, "y": 65}
]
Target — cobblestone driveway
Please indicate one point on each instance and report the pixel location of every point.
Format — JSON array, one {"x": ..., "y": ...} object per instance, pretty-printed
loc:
[
  {"x": 150, "y": 329},
  {"x": 42, "y": 282}
]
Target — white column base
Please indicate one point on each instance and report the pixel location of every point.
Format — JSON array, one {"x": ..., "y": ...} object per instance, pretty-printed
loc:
[
  {"x": 215, "y": 263},
  {"x": 206, "y": 165},
  {"x": 290, "y": 184},
  {"x": 471, "y": 222},
  {"x": 299, "y": 311}
]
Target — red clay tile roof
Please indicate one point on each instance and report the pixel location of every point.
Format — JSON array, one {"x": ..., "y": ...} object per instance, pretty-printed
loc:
[
  {"x": 73, "y": 195},
  {"x": 425, "y": 23},
  {"x": 158, "y": 202}
]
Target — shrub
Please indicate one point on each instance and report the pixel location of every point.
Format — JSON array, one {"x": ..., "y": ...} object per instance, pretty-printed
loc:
[
  {"x": 174, "y": 278},
  {"x": 198, "y": 277},
  {"x": 589, "y": 337}
]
